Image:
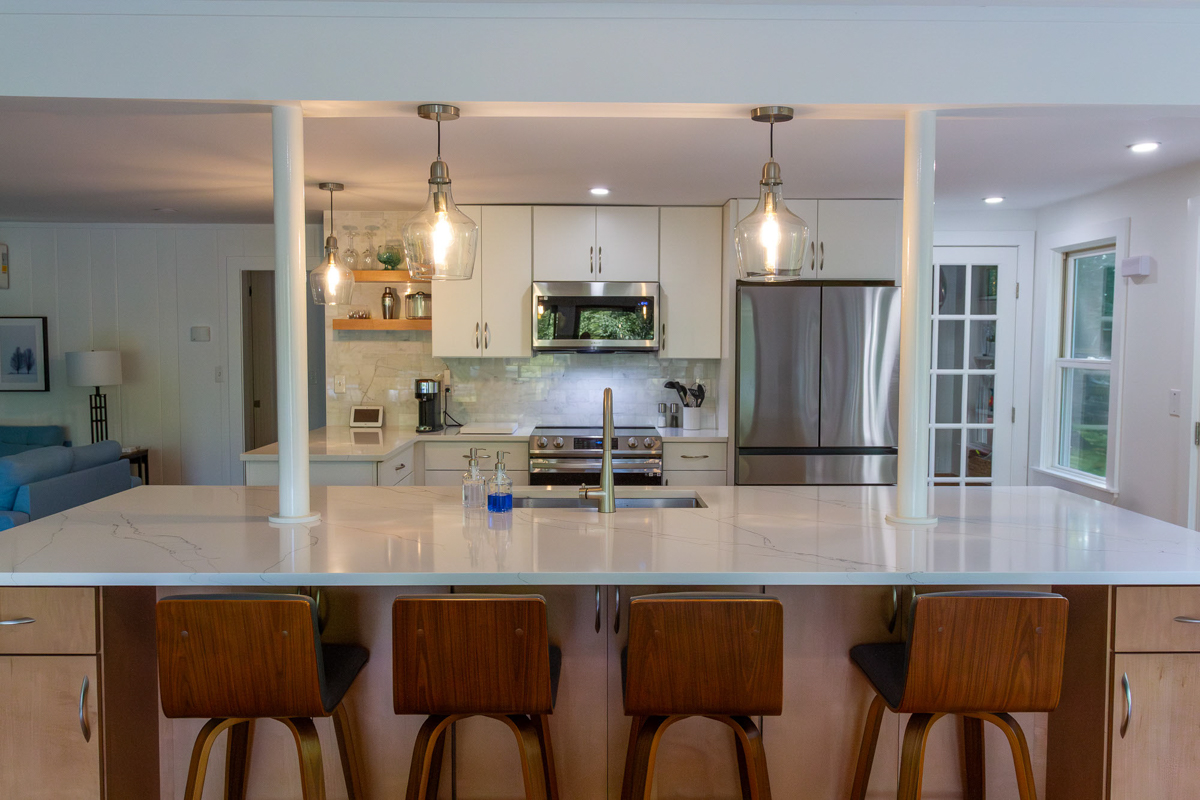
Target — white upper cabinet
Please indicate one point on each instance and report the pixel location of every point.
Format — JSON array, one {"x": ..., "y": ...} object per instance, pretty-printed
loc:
[
  {"x": 690, "y": 283},
  {"x": 589, "y": 243},
  {"x": 507, "y": 281},
  {"x": 457, "y": 327},
  {"x": 626, "y": 244},
  {"x": 859, "y": 240}
]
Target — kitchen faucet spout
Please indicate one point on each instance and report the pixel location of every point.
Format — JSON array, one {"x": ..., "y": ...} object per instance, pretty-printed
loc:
[{"x": 604, "y": 494}]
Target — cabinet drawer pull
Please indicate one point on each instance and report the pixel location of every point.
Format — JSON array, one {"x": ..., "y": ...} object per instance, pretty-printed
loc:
[
  {"x": 487, "y": 336},
  {"x": 476, "y": 335},
  {"x": 18, "y": 621},
  {"x": 83, "y": 723},
  {"x": 402, "y": 466},
  {"x": 597, "y": 609},
  {"x": 1192, "y": 620},
  {"x": 822, "y": 250},
  {"x": 599, "y": 260},
  {"x": 1128, "y": 703},
  {"x": 592, "y": 259},
  {"x": 812, "y": 246},
  {"x": 703, "y": 456},
  {"x": 617, "y": 619}
]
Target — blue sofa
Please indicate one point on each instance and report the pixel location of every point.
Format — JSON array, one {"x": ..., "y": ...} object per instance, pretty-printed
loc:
[
  {"x": 40, "y": 482},
  {"x": 19, "y": 438}
]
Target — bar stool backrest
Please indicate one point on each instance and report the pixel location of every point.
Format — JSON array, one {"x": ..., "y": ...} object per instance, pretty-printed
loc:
[
  {"x": 984, "y": 651},
  {"x": 239, "y": 655},
  {"x": 470, "y": 654},
  {"x": 705, "y": 653}
]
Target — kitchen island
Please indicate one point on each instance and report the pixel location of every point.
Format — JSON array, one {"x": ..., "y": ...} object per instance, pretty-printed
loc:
[{"x": 842, "y": 572}]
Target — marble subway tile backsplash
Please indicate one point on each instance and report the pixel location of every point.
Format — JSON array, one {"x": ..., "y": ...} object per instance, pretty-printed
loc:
[{"x": 547, "y": 389}]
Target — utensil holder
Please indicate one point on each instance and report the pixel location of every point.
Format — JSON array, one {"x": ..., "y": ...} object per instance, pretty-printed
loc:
[{"x": 691, "y": 419}]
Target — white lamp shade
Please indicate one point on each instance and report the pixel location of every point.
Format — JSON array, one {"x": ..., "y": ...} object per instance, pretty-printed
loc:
[{"x": 94, "y": 368}]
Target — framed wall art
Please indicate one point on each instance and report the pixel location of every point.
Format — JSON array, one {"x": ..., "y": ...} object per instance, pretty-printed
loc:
[{"x": 23, "y": 365}]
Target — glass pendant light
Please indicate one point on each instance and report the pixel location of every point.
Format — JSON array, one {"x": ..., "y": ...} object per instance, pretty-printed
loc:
[
  {"x": 331, "y": 283},
  {"x": 440, "y": 241},
  {"x": 770, "y": 242}
]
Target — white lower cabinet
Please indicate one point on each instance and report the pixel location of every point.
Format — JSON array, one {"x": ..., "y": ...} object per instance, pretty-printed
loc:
[
  {"x": 699, "y": 477},
  {"x": 453, "y": 477},
  {"x": 445, "y": 462},
  {"x": 694, "y": 463},
  {"x": 395, "y": 470}
]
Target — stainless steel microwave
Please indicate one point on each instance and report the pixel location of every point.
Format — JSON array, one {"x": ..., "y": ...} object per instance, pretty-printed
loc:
[{"x": 595, "y": 317}]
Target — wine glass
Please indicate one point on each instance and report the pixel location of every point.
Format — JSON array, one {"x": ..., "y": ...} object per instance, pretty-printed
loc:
[
  {"x": 349, "y": 256},
  {"x": 368, "y": 253}
]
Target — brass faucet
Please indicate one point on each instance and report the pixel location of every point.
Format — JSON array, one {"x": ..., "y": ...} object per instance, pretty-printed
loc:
[{"x": 604, "y": 494}]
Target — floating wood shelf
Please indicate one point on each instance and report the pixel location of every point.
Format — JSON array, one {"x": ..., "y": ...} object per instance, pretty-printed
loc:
[
  {"x": 382, "y": 325},
  {"x": 385, "y": 276}
]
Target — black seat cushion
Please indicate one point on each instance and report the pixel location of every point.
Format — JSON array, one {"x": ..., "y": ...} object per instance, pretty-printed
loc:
[
  {"x": 884, "y": 666},
  {"x": 342, "y": 664},
  {"x": 555, "y": 672}
]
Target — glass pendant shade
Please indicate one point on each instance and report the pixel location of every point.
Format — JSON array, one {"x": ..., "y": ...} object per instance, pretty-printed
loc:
[
  {"x": 771, "y": 241},
  {"x": 331, "y": 283},
  {"x": 440, "y": 240}
]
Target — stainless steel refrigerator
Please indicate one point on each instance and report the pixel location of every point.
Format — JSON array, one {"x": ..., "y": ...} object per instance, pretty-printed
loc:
[{"x": 818, "y": 371}]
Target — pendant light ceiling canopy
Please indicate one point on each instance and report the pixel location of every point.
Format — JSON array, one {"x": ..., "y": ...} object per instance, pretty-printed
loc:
[
  {"x": 331, "y": 283},
  {"x": 440, "y": 240},
  {"x": 770, "y": 242}
]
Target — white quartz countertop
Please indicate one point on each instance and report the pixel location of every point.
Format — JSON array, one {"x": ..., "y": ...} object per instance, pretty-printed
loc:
[
  {"x": 204, "y": 535},
  {"x": 380, "y": 444}
]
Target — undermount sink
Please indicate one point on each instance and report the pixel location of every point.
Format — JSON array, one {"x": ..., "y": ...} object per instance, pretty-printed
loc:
[{"x": 622, "y": 502}]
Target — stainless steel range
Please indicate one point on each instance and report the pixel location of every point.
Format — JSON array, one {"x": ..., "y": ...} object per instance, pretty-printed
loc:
[{"x": 572, "y": 456}]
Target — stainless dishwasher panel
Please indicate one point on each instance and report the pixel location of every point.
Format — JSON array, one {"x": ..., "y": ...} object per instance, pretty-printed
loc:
[
  {"x": 779, "y": 355},
  {"x": 860, "y": 366}
]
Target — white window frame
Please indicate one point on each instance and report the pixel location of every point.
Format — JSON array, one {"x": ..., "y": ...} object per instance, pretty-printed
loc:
[{"x": 1054, "y": 280}]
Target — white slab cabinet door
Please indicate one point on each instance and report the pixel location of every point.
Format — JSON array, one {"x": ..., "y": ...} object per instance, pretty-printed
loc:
[
  {"x": 457, "y": 328},
  {"x": 859, "y": 240},
  {"x": 507, "y": 289},
  {"x": 690, "y": 283},
  {"x": 564, "y": 243},
  {"x": 626, "y": 244}
]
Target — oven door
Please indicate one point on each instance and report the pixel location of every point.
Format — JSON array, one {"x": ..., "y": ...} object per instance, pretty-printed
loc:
[
  {"x": 586, "y": 471},
  {"x": 595, "y": 317}
]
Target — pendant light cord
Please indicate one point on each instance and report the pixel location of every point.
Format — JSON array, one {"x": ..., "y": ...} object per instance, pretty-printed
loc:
[
  {"x": 772, "y": 141},
  {"x": 439, "y": 126},
  {"x": 331, "y": 228}
]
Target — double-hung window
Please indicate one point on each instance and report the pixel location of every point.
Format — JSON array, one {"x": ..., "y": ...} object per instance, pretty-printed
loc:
[{"x": 1084, "y": 365}]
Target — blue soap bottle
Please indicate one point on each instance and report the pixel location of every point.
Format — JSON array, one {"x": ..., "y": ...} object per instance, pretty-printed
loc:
[{"x": 500, "y": 487}]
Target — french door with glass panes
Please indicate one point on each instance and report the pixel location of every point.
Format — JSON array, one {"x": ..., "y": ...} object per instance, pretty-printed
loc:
[{"x": 971, "y": 401}]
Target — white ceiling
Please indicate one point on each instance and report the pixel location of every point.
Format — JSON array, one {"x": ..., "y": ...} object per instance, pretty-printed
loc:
[{"x": 97, "y": 160}]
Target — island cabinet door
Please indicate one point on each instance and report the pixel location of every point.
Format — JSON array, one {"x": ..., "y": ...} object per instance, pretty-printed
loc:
[
  {"x": 44, "y": 714},
  {"x": 1155, "y": 734}
]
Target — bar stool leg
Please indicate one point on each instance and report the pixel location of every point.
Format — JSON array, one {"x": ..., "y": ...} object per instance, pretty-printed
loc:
[
  {"x": 974, "y": 760},
  {"x": 912, "y": 756},
  {"x": 237, "y": 760},
  {"x": 532, "y": 759},
  {"x": 201, "y": 751},
  {"x": 542, "y": 722},
  {"x": 639, "y": 764},
  {"x": 427, "y": 756},
  {"x": 1026, "y": 789},
  {"x": 348, "y": 752},
  {"x": 308, "y": 748},
  {"x": 866, "y": 750},
  {"x": 752, "y": 761}
]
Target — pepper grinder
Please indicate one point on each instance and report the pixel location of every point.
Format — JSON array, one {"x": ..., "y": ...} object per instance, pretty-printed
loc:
[
  {"x": 674, "y": 415},
  {"x": 389, "y": 303}
]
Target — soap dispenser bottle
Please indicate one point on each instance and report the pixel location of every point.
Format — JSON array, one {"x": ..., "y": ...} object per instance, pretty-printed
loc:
[
  {"x": 474, "y": 485},
  {"x": 500, "y": 487}
]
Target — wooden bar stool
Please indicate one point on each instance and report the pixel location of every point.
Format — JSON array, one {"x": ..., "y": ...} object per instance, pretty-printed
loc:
[
  {"x": 979, "y": 655},
  {"x": 702, "y": 654},
  {"x": 236, "y": 658},
  {"x": 463, "y": 655}
]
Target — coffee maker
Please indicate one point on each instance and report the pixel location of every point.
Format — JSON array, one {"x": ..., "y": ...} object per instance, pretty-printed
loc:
[{"x": 428, "y": 392}]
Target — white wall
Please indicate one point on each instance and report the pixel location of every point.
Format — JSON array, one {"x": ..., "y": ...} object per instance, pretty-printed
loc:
[
  {"x": 139, "y": 289},
  {"x": 1155, "y": 448}
]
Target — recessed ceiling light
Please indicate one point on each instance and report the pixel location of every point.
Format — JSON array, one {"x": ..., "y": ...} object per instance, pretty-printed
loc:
[
  {"x": 164, "y": 210},
  {"x": 599, "y": 191},
  {"x": 991, "y": 201},
  {"x": 1144, "y": 147}
]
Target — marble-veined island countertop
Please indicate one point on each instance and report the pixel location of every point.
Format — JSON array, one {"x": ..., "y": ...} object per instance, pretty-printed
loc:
[{"x": 201, "y": 535}]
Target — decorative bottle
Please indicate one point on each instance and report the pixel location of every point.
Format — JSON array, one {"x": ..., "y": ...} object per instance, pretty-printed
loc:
[
  {"x": 474, "y": 485},
  {"x": 500, "y": 487}
]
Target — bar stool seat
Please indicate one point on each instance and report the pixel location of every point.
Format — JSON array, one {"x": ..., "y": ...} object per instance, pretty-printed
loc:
[
  {"x": 716, "y": 655},
  {"x": 456, "y": 656},
  {"x": 980, "y": 655},
  {"x": 237, "y": 658}
]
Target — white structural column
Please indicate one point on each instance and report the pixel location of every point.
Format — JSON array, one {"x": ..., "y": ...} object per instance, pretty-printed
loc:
[
  {"x": 916, "y": 300},
  {"x": 291, "y": 333}
]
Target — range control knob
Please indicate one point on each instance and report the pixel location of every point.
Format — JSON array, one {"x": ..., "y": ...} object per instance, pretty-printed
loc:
[
  {"x": 648, "y": 442},
  {"x": 558, "y": 441},
  {"x": 633, "y": 443},
  {"x": 542, "y": 441}
]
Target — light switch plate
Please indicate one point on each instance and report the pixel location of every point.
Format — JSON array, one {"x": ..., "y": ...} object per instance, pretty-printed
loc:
[
  {"x": 201, "y": 333},
  {"x": 1175, "y": 402}
]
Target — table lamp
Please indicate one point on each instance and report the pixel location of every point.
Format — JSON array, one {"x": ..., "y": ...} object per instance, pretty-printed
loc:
[{"x": 95, "y": 368}]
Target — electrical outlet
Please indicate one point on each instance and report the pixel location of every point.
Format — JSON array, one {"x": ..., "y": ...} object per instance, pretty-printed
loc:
[
  {"x": 220, "y": 374},
  {"x": 1175, "y": 402},
  {"x": 339, "y": 384}
]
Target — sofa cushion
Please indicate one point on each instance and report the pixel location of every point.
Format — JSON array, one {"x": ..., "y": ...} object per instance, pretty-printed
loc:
[
  {"x": 28, "y": 467},
  {"x": 93, "y": 455},
  {"x": 28, "y": 436},
  {"x": 52, "y": 495}
]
